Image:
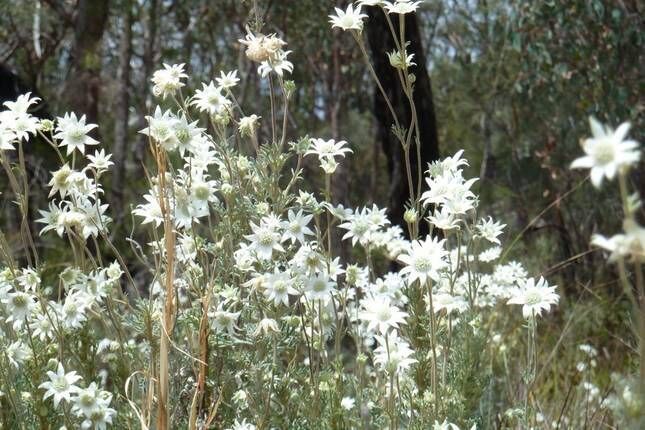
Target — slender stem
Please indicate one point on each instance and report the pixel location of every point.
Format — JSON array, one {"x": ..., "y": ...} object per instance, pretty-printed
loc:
[{"x": 433, "y": 344}]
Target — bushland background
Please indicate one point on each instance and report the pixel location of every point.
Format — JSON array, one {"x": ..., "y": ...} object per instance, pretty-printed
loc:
[{"x": 510, "y": 82}]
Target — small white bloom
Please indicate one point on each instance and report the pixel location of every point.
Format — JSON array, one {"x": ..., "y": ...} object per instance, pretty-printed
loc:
[
  {"x": 222, "y": 320},
  {"x": 168, "y": 80},
  {"x": 73, "y": 133},
  {"x": 424, "y": 260},
  {"x": 227, "y": 80},
  {"x": 347, "y": 403},
  {"x": 210, "y": 99},
  {"x": 607, "y": 152},
  {"x": 534, "y": 297},
  {"x": 380, "y": 314},
  {"x": 278, "y": 286},
  {"x": 401, "y": 6},
  {"x": 100, "y": 160},
  {"x": 350, "y": 19},
  {"x": 61, "y": 385},
  {"x": 489, "y": 229},
  {"x": 248, "y": 125}
]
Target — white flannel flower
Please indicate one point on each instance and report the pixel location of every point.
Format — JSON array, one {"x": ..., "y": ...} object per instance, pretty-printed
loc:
[
  {"x": 347, "y": 403},
  {"x": 401, "y": 6},
  {"x": 224, "y": 321},
  {"x": 328, "y": 148},
  {"x": 210, "y": 99},
  {"x": 73, "y": 133},
  {"x": 380, "y": 314},
  {"x": 489, "y": 229},
  {"x": 61, "y": 385},
  {"x": 350, "y": 19},
  {"x": 7, "y": 139},
  {"x": 607, "y": 152},
  {"x": 451, "y": 303},
  {"x": 17, "y": 353},
  {"x": 393, "y": 353},
  {"x": 17, "y": 121},
  {"x": 278, "y": 286},
  {"x": 100, "y": 161},
  {"x": 264, "y": 240},
  {"x": 424, "y": 260},
  {"x": 262, "y": 48},
  {"x": 278, "y": 64},
  {"x": 401, "y": 59},
  {"x": 534, "y": 297},
  {"x": 19, "y": 306},
  {"x": 161, "y": 129},
  {"x": 319, "y": 287},
  {"x": 168, "y": 80},
  {"x": 631, "y": 243},
  {"x": 227, "y": 80},
  {"x": 295, "y": 228},
  {"x": 248, "y": 125}
]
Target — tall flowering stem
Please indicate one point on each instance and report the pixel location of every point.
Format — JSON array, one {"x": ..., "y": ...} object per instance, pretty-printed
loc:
[{"x": 168, "y": 309}]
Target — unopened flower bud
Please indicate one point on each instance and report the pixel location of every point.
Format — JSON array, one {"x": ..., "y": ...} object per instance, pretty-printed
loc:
[
  {"x": 267, "y": 326},
  {"x": 46, "y": 125},
  {"x": 248, "y": 125},
  {"x": 411, "y": 216}
]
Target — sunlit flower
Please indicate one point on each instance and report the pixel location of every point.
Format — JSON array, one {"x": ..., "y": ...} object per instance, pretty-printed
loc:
[
  {"x": 380, "y": 314},
  {"x": 278, "y": 286},
  {"x": 607, "y": 152},
  {"x": 350, "y": 19},
  {"x": 489, "y": 229},
  {"x": 295, "y": 228},
  {"x": 534, "y": 297},
  {"x": 424, "y": 260},
  {"x": 264, "y": 240},
  {"x": 210, "y": 99},
  {"x": 61, "y": 385},
  {"x": 73, "y": 133},
  {"x": 630, "y": 243},
  {"x": 227, "y": 80},
  {"x": 393, "y": 353},
  {"x": 168, "y": 80},
  {"x": 347, "y": 403},
  {"x": 401, "y": 6}
]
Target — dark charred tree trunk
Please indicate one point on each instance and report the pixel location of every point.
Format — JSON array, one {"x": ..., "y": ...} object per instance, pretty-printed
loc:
[
  {"x": 82, "y": 89},
  {"x": 381, "y": 41},
  {"x": 122, "y": 110}
]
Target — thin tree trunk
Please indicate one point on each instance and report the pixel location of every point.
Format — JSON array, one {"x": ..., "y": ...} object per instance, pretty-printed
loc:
[
  {"x": 122, "y": 110},
  {"x": 148, "y": 65},
  {"x": 83, "y": 85}
]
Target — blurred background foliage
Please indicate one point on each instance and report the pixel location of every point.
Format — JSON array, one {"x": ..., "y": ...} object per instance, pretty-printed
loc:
[{"x": 513, "y": 82}]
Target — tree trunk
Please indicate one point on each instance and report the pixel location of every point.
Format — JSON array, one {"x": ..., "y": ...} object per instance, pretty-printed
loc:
[
  {"x": 148, "y": 65},
  {"x": 121, "y": 111},
  {"x": 381, "y": 41},
  {"x": 82, "y": 88}
]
